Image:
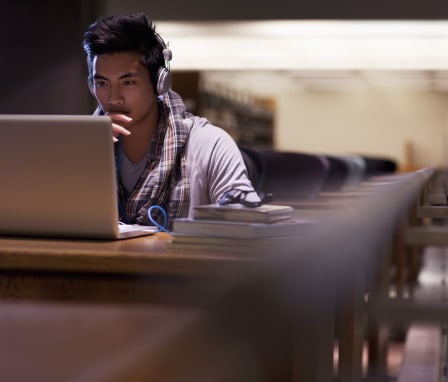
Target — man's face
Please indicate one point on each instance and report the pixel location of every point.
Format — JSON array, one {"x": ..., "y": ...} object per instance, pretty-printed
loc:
[{"x": 121, "y": 85}]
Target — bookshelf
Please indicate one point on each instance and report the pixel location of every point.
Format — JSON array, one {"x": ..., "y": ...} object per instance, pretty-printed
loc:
[{"x": 248, "y": 118}]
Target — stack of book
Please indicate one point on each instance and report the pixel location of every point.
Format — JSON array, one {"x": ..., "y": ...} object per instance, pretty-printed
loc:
[{"x": 235, "y": 228}]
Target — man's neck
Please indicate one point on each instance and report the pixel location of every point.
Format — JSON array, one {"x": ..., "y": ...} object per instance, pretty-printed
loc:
[{"x": 136, "y": 145}]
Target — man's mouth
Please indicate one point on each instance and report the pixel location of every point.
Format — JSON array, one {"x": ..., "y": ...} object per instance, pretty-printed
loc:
[{"x": 109, "y": 112}]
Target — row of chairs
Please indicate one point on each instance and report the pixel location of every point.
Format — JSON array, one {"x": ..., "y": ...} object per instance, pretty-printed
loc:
[{"x": 291, "y": 175}]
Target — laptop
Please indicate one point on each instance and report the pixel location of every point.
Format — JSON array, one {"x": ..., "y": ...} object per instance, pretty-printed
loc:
[{"x": 57, "y": 177}]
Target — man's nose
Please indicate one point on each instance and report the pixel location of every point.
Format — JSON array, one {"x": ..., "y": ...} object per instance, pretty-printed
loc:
[{"x": 115, "y": 94}]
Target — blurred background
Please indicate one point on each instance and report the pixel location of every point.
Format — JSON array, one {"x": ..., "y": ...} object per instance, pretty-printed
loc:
[{"x": 346, "y": 77}]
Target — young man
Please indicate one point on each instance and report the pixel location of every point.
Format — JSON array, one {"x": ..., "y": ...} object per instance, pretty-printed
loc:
[{"x": 166, "y": 157}]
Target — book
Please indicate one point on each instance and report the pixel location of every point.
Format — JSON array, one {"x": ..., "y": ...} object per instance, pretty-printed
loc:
[
  {"x": 266, "y": 213},
  {"x": 235, "y": 229},
  {"x": 227, "y": 246}
]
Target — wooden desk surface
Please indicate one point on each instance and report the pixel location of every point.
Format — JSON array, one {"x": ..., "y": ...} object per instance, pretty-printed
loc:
[
  {"x": 433, "y": 212},
  {"x": 141, "y": 255},
  {"x": 132, "y": 270},
  {"x": 430, "y": 235},
  {"x": 436, "y": 199}
]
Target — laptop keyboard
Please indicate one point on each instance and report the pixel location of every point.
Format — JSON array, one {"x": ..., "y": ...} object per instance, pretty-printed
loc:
[{"x": 136, "y": 228}]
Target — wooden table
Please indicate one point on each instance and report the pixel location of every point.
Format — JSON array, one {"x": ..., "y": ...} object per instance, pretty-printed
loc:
[
  {"x": 142, "y": 270},
  {"x": 131, "y": 270},
  {"x": 427, "y": 235},
  {"x": 284, "y": 310},
  {"x": 432, "y": 212}
]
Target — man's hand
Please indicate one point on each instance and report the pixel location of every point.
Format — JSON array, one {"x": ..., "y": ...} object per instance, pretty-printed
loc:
[{"x": 117, "y": 121}]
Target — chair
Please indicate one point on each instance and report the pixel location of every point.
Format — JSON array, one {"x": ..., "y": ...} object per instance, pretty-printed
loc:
[
  {"x": 357, "y": 169},
  {"x": 253, "y": 163},
  {"x": 345, "y": 171},
  {"x": 338, "y": 173},
  {"x": 291, "y": 176},
  {"x": 379, "y": 166}
]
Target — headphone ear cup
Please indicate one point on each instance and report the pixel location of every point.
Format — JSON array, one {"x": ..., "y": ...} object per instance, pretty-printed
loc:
[{"x": 163, "y": 80}]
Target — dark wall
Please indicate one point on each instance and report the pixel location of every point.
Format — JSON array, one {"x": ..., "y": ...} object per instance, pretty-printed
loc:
[
  {"x": 282, "y": 9},
  {"x": 43, "y": 65}
]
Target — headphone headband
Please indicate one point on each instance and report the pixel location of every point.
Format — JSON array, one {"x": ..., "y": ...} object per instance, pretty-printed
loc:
[{"x": 163, "y": 80}]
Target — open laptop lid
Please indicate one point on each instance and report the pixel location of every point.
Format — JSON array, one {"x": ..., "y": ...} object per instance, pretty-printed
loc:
[{"x": 57, "y": 176}]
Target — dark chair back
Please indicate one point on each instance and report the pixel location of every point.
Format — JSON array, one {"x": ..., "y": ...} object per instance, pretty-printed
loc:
[
  {"x": 338, "y": 174},
  {"x": 357, "y": 169},
  {"x": 254, "y": 165},
  {"x": 379, "y": 165},
  {"x": 291, "y": 176}
]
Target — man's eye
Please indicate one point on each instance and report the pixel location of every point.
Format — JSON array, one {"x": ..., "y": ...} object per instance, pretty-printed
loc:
[
  {"x": 128, "y": 82},
  {"x": 100, "y": 84}
]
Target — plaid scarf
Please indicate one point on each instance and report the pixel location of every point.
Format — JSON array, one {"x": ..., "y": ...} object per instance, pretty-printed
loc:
[{"x": 165, "y": 181}]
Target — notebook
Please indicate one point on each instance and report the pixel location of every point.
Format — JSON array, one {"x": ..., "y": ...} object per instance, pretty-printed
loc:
[
  {"x": 266, "y": 213},
  {"x": 57, "y": 175}
]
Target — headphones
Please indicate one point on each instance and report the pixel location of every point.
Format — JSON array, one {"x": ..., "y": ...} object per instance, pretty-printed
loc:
[{"x": 163, "y": 79}]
